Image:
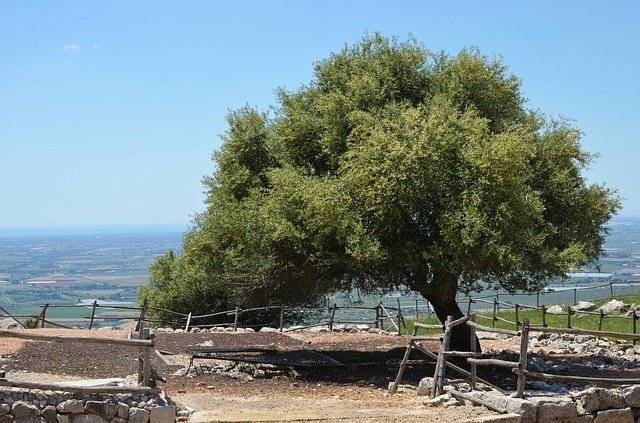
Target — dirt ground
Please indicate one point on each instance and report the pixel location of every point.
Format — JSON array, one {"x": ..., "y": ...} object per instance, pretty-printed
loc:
[{"x": 353, "y": 387}]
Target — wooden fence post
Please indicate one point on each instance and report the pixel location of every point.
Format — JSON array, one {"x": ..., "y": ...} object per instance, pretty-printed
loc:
[
  {"x": 146, "y": 360},
  {"x": 417, "y": 309},
  {"x": 522, "y": 364},
  {"x": 634, "y": 316},
  {"x": 377, "y": 320},
  {"x": 143, "y": 311},
  {"x": 235, "y": 320},
  {"x": 537, "y": 299},
  {"x": 544, "y": 316},
  {"x": 186, "y": 327},
  {"x": 400, "y": 319},
  {"x": 473, "y": 348},
  {"x": 44, "y": 315},
  {"x": 611, "y": 288},
  {"x": 281, "y": 318},
  {"x": 495, "y": 309},
  {"x": 517, "y": 319},
  {"x": 469, "y": 306},
  {"x": 93, "y": 314},
  {"x": 438, "y": 377},
  {"x": 600, "y": 320},
  {"x": 569, "y": 313},
  {"x": 333, "y": 316},
  {"x": 141, "y": 332},
  {"x": 575, "y": 296}
]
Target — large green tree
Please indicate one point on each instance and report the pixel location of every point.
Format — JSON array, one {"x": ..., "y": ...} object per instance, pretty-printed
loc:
[{"x": 393, "y": 166}]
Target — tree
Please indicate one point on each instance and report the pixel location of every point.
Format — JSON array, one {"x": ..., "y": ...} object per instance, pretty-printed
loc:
[{"x": 396, "y": 166}]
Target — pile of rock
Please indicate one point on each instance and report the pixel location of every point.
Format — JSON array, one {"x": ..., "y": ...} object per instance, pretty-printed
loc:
[
  {"x": 592, "y": 405},
  {"x": 33, "y": 406},
  {"x": 351, "y": 328},
  {"x": 241, "y": 370}
]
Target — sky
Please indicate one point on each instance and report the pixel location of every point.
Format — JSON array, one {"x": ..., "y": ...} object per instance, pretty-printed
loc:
[{"x": 110, "y": 110}]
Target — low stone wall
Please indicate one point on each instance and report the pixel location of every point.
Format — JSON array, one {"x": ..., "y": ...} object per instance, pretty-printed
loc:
[
  {"x": 592, "y": 405},
  {"x": 34, "y": 406}
]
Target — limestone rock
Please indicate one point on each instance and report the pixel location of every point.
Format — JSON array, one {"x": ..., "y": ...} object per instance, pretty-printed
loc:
[
  {"x": 88, "y": 418},
  {"x": 50, "y": 414},
  {"x": 105, "y": 409},
  {"x": 594, "y": 399},
  {"x": 163, "y": 414},
  {"x": 34, "y": 419},
  {"x": 4, "y": 408},
  {"x": 557, "y": 407},
  {"x": 437, "y": 401},
  {"x": 624, "y": 415},
  {"x": 7, "y": 418},
  {"x": 632, "y": 396},
  {"x": 138, "y": 415},
  {"x": 424, "y": 387},
  {"x": 63, "y": 418},
  {"x": 584, "y": 306},
  {"x": 555, "y": 309},
  {"x": 123, "y": 410},
  {"x": 613, "y": 305},
  {"x": 71, "y": 406},
  {"x": 24, "y": 410}
]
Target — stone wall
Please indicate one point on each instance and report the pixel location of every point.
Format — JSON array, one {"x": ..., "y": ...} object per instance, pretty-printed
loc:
[
  {"x": 34, "y": 406},
  {"x": 592, "y": 405}
]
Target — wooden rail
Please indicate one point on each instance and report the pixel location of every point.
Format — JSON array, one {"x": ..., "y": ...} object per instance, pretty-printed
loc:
[{"x": 145, "y": 343}]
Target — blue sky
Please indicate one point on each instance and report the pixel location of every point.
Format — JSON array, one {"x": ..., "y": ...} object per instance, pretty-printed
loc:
[{"x": 110, "y": 110}]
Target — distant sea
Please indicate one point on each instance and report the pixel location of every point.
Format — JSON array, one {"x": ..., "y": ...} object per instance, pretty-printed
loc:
[{"x": 89, "y": 230}]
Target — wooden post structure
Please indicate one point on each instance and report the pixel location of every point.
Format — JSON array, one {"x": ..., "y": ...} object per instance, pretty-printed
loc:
[
  {"x": 93, "y": 314},
  {"x": 575, "y": 296},
  {"x": 146, "y": 360},
  {"x": 537, "y": 299},
  {"x": 377, "y": 320},
  {"x": 186, "y": 327},
  {"x": 495, "y": 309},
  {"x": 281, "y": 318},
  {"x": 141, "y": 332},
  {"x": 544, "y": 316},
  {"x": 416, "y": 309},
  {"x": 43, "y": 315},
  {"x": 472, "y": 348},
  {"x": 611, "y": 288},
  {"x": 143, "y": 311},
  {"x": 438, "y": 378},
  {"x": 517, "y": 308},
  {"x": 569, "y": 313},
  {"x": 634, "y": 316},
  {"x": 13, "y": 317},
  {"x": 522, "y": 364},
  {"x": 400, "y": 320},
  {"x": 600, "y": 320},
  {"x": 235, "y": 320},
  {"x": 469, "y": 306},
  {"x": 333, "y": 316}
]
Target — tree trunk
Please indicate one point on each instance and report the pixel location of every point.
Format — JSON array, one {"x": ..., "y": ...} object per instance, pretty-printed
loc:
[{"x": 442, "y": 296}]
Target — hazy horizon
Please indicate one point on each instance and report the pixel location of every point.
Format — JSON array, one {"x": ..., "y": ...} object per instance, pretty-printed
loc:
[{"x": 63, "y": 230}]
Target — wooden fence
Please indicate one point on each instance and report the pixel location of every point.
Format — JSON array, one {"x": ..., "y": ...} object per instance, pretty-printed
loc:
[
  {"x": 380, "y": 313},
  {"x": 144, "y": 344},
  {"x": 519, "y": 368}
]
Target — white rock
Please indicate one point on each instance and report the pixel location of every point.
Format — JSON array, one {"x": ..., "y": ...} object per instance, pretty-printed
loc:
[
  {"x": 555, "y": 309},
  {"x": 584, "y": 306},
  {"x": 613, "y": 305}
]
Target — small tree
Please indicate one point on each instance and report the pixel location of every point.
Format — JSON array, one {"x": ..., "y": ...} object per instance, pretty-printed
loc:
[{"x": 393, "y": 166}]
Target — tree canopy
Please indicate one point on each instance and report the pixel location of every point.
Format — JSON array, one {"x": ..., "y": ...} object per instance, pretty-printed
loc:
[{"x": 393, "y": 166}]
